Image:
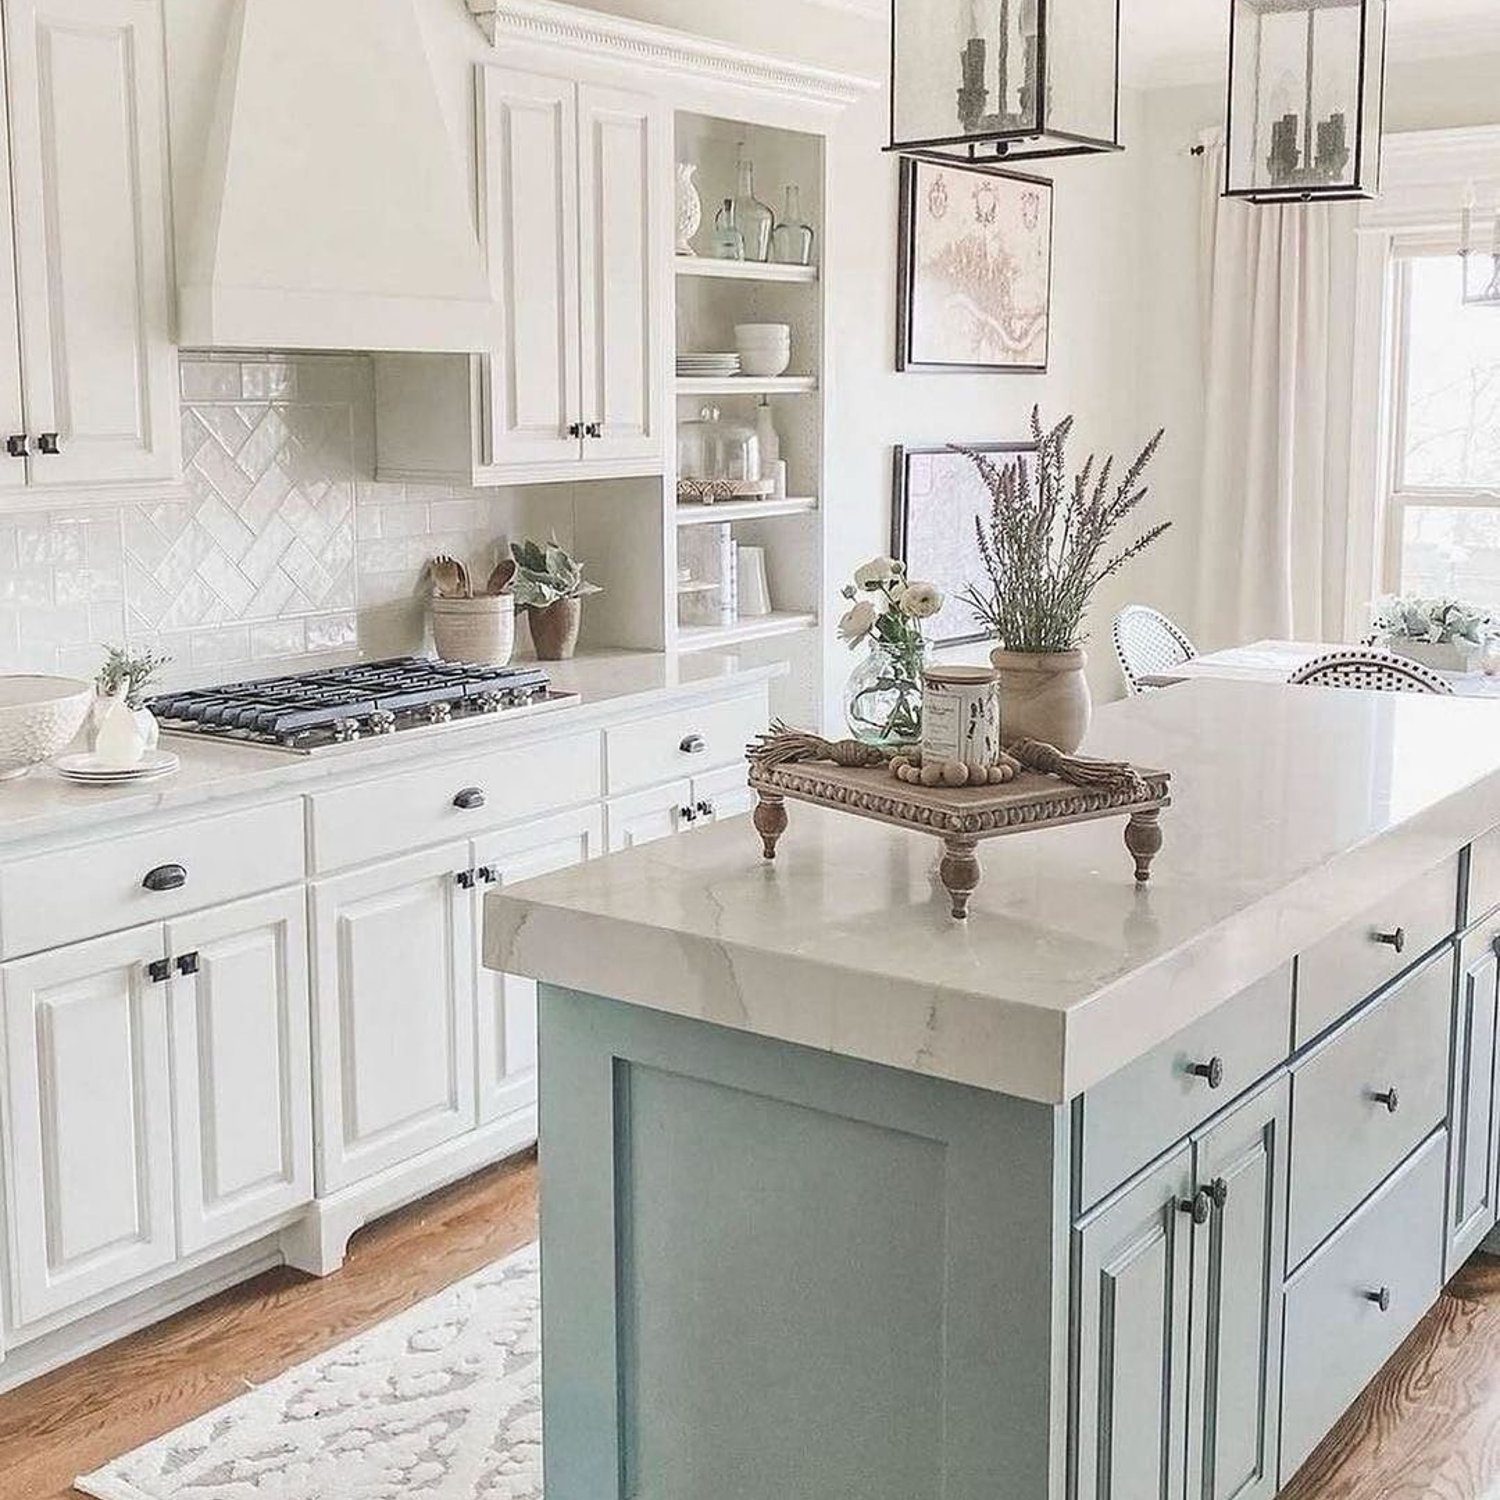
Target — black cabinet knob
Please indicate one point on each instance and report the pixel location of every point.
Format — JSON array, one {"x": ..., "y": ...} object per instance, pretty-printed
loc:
[
  {"x": 470, "y": 798},
  {"x": 18, "y": 445},
  {"x": 1200, "y": 1205},
  {"x": 187, "y": 963},
  {"x": 593, "y": 430},
  {"x": 48, "y": 443},
  {"x": 165, "y": 878},
  {"x": 687, "y": 814},
  {"x": 692, "y": 744},
  {"x": 1218, "y": 1190},
  {"x": 1388, "y": 1097},
  {"x": 1212, "y": 1072},
  {"x": 575, "y": 429},
  {"x": 488, "y": 874},
  {"x": 159, "y": 970},
  {"x": 1380, "y": 1296},
  {"x": 1396, "y": 939},
  {"x": 705, "y": 809},
  {"x": 465, "y": 879}
]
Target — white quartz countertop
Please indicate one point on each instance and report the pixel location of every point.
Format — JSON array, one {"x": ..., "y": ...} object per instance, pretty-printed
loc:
[
  {"x": 43, "y": 806},
  {"x": 1294, "y": 809}
]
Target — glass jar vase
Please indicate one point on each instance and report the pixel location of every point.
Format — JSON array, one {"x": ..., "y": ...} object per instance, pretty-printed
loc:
[{"x": 883, "y": 697}]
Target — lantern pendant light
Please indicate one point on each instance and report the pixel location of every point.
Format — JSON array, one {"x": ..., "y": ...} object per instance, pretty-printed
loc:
[
  {"x": 1306, "y": 99},
  {"x": 1004, "y": 80},
  {"x": 1481, "y": 268}
]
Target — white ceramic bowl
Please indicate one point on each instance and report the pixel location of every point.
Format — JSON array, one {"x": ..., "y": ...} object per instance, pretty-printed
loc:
[
  {"x": 765, "y": 362},
  {"x": 38, "y": 717}
]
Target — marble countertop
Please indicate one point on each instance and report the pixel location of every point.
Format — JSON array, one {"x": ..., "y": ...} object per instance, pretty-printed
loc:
[
  {"x": 1293, "y": 810},
  {"x": 43, "y": 806}
]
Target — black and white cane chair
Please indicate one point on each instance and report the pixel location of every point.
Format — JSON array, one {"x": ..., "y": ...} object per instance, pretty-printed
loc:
[
  {"x": 1148, "y": 644},
  {"x": 1375, "y": 671}
]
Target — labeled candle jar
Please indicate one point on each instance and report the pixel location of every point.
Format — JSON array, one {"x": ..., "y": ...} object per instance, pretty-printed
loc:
[{"x": 961, "y": 715}]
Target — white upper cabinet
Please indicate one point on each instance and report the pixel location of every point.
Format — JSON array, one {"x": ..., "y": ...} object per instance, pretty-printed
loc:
[{"x": 86, "y": 99}]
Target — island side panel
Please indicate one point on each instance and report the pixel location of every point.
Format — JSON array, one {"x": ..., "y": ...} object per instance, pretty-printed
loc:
[{"x": 770, "y": 1271}]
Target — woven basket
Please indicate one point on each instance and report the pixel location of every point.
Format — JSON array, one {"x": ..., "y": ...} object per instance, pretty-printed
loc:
[{"x": 475, "y": 630}]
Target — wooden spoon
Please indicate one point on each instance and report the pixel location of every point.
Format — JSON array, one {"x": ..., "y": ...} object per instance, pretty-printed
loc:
[
  {"x": 449, "y": 577},
  {"x": 501, "y": 577}
]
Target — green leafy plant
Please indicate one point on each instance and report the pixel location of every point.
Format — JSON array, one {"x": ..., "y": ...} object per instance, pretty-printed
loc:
[
  {"x": 139, "y": 667},
  {"x": 1438, "y": 622},
  {"x": 1043, "y": 542},
  {"x": 547, "y": 574}
]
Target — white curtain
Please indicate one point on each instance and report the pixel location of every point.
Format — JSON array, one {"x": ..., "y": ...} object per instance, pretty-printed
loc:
[{"x": 1277, "y": 517}]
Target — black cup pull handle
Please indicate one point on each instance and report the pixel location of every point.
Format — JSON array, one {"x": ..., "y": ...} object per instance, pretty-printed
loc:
[
  {"x": 693, "y": 744},
  {"x": 470, "y": 798},
  {"x": 165, "y": 878}
]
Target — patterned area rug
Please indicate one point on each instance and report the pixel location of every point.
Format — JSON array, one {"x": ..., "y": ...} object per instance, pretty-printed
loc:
[{"x": 441, "y": 1403}]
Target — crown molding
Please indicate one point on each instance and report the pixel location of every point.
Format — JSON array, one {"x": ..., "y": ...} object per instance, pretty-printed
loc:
[{"x": 546, "y": 23}]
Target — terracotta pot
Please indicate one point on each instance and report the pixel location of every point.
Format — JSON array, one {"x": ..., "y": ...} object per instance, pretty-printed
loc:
[
  {"x": 1044, "y": 697},
  {"x": 554, "y": 629}
]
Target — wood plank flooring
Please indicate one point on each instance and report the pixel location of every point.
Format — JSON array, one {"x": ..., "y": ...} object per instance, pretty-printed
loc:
[
  {"x": 79, "y": 1417},
  {"x": 1429, "y": 1426}
]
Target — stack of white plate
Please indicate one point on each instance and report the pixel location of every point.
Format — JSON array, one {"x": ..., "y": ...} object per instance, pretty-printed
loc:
[
  {"x": 708, "y": 366},
  {"x": 86, "y": 767}
]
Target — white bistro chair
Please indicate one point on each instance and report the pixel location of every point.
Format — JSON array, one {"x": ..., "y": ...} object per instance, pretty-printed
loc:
[
  {"x": 1148, "y": 643},
  {"x": 1376, "y": 671}
]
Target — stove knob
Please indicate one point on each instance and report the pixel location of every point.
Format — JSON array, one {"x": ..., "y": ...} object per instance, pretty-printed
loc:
[
  {"x": 438, "y": 713},
  {"x": 346, "y": 730},
  {"x": 491, "y": 703},
  {"x": 382, "y": 721}
]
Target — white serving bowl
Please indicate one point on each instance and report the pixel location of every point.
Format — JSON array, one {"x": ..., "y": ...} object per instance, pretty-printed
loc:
[
  {"x": 765, "y": 362},
  {"x": 38, "y": 717},
  {"x": 764, "y": 348}
]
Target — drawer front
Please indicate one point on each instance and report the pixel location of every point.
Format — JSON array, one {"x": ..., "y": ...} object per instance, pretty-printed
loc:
[
  {"x": 451, "y": 799},
  {"x": 1484, "y": 875},
  {"x": 81, "y": 892},
  {"x": 1135, "y": 1114},
  {"x": 1337, "y": 1337},
  {"x": 1345, "y": 1134},
  {"x": 683, "y": 743},
  {"x": 1336, "y": 974}
]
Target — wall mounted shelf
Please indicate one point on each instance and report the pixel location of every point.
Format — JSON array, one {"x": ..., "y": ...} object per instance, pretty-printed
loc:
[
  {"x": 747, "y": 385},
  {"x": 759, "y": 628},
  {"x": 744, "y": 270},
  {"x": 744, "y": 510}
]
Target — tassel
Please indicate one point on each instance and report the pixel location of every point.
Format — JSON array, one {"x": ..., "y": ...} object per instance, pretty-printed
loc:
[
  {"x": 1078, "y": 770},
  {"x": 787, "y": 747}
]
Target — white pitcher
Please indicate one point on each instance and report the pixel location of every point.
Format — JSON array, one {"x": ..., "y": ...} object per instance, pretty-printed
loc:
[{"x": 120, "y": 738}]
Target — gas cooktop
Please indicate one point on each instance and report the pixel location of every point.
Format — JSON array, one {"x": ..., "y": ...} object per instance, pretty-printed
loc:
[{"x": 310, "y": 711}]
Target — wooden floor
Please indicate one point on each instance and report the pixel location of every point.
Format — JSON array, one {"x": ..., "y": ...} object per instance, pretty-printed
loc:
[
  {"x": 70, "y": 1422},
  {"x": 1429, "y": 1427}
]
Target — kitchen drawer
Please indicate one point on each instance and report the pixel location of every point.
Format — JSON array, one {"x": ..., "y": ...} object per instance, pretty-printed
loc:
[
  {"x": 1135, "y": 1114},
  {"x": 1337, "y": 1337},
  {"x": 682, "y": 743},
  {"x": 1484, "y": 875},
  {"x": 1345, "y": 1137},
  {"x": 87, "y": 890},
  {"x": 1352, "y": 963},
  {"x": 450, "y": 799}
]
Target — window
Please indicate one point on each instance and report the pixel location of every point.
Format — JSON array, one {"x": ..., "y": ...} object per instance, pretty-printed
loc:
[{"x": 1444, "y": 511}]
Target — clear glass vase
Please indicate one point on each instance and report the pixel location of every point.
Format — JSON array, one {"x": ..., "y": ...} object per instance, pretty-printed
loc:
[{"x": 883, "y": 697}]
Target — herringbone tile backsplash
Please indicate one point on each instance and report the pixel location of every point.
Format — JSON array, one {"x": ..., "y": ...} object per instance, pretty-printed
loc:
[{"x": 284, "y": 547}]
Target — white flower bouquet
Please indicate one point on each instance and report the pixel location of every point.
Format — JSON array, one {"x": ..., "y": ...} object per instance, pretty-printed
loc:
[{"x": 883, "y": 702}]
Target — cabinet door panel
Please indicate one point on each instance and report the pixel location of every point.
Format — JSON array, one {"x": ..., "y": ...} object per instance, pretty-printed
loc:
[
  {"x": 393, "y": 999},
  {"x": 88, "y": 127},
  {"x": 1472, "y": 1166},
  {"x": 619, "y": 185},
  {"x": 1132, "y": 1332},
  {"x": 505, "y": 1027},
  {"x": 88, "y": 1122},
  {"x": 1238, "y": 1267},
  {"x": 12, "y": 403},
  {"x": 529, "y": 192},
  {"x": 647, "y": 816},
  {"x": 725, "y": 794},
  {"x": 242, "y": 1067}
]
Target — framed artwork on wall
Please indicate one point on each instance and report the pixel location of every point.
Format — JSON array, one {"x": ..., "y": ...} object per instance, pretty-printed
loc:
[
  {"x": 974, "y": 279},
  {"x": 938, "y": 497}
]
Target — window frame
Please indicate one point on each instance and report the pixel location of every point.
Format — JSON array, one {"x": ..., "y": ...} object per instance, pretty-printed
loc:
[{"x": 1400, "y": 496}]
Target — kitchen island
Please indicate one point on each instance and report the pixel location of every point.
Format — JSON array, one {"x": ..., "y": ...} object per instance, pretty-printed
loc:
[{"x": 1109, "y": 1191}]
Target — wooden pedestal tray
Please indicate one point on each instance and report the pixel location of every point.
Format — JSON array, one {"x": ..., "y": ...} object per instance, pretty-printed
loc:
[{"x": 962, "y": 816}]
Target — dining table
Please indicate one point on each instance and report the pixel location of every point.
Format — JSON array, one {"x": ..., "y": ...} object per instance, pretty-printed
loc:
[{"x": 1275, "y": 661}]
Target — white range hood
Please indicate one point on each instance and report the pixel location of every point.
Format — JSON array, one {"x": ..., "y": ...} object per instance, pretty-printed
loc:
[{"x": 336, "y": 208}]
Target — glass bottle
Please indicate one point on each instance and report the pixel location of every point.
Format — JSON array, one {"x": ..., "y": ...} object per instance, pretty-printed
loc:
[
  {"x": 792, "y": 239},
  {"x": 750, "y": 214},
  {"x": 729, "y": 243}
]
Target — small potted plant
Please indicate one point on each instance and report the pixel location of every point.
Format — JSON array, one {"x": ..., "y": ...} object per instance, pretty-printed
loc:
[
  {"x": 1444, "y": 634},
  {"x": 1043, "y": 545},
  {"x": 883, "y": 698},
  {"x": 550, "y": 587}
]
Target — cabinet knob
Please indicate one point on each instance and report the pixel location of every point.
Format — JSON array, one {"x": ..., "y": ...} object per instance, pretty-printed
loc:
[
  {"x": 593, "y": 430},
  {"x": 18, "y": 445},
  {"x": 1396, "y": 939},
  {"x": 1200, "y": 1205},
  {"x": 1212, "y": 1072},
  {"x": 165, "y": 878},
  {"x": 705, "y": 809},
  {"x": 1380, "y": 1296},
  {"x": 575, "y": 429},
  {"x": 693, "y": 744},
  {"x": 687, "y": 814},
  {"x": 465, "y": 879},
  {"x": 1388, "y": 1097},
  {"x": 48, "y": 443},
  {"x": 469, "y": 798},
  {"x": 187, "y": 963},
  {"x": 488, "y": 874},
  {"x": 159, "y": 970},
  {"x": 1218, "y": 1190}
]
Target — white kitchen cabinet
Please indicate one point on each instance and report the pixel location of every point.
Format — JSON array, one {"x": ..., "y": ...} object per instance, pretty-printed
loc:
[
  {"x": 644, "y": 817},
  {"x": 718, "y": 795},
  {"x": 87, "y": 113},
  {"x": 505, "y": 1022},
  {"x": 88, "y": 1120},
  {"x": 574, "y": 190},
  {"x": 241, "y": 1063},
  {"x": 393, "y": 1004},
  {"x": 13, "y": 472}
]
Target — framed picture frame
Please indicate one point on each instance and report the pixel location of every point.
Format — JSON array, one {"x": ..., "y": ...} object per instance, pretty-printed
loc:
[
  {"x": 937, "y": 496},
  {"x": 974, "y": 270}
]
